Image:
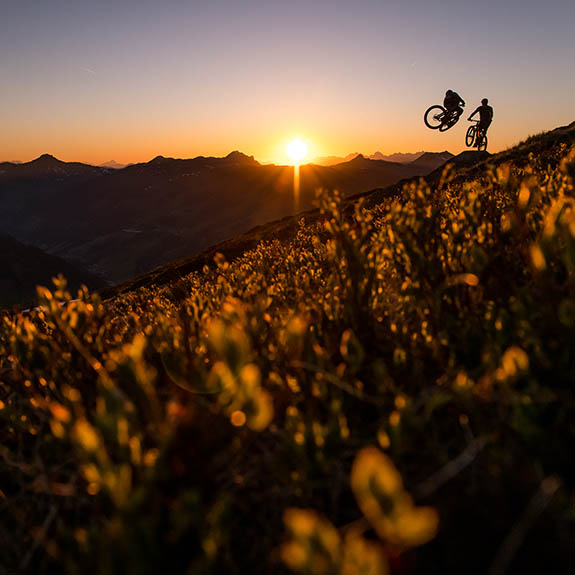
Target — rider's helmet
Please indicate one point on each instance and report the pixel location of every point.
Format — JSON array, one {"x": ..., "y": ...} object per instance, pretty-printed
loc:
[
  {"x": 449, "y": 92},
  {"x": 485, "y": 101}
]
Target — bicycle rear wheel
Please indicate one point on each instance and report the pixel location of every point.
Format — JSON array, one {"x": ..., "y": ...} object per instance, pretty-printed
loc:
[
  {"x": 470, "y": 136},
  {"x": 482, "y": 145},
  {"x": 433, "y": 117}
]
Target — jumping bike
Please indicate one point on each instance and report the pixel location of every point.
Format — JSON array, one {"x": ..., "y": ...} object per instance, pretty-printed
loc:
[
  {"x": 476, "y": 138},
  {"x": 438, "y": 118}
]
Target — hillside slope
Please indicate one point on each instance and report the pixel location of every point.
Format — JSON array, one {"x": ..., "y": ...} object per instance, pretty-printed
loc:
[
  {"x": 24, "y": 267},
  {"x": 467, "y": 166},
  {"x": 383, "y": 388}
]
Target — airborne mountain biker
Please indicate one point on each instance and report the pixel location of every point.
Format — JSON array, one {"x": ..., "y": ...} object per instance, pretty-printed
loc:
[
  {"x": 444, "y": 117},
  {"x": 485, "y": 116},
  {"x": 452, "y": 102}
]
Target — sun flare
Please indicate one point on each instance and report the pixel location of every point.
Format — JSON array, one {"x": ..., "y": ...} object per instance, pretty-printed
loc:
[{"x": 296, "y": 151}]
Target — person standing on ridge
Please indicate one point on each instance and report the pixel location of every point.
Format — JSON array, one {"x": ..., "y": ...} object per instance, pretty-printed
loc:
[
  {"x": 485, "y": 116},
  {"x": 453, "y": 103}
]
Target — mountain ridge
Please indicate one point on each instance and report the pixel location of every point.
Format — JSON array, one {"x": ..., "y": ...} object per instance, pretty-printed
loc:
[{"x": 396, "y": 157}]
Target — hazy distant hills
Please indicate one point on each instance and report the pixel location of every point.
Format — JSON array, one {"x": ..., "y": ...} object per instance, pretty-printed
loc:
[
  {"x": 400, "y": 158},
  {"x": 397, "y": 157},
  {"x": 113, "y": 164},
  {"x": 120, "y": 223},
  {"x": 23, "y": 267},
  {"x": 333, "y": 160}
]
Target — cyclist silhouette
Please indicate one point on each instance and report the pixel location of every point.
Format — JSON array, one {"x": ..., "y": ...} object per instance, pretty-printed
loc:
[
  {"x": 452, "y": 102},
  {"x": 485, "y": 116}
]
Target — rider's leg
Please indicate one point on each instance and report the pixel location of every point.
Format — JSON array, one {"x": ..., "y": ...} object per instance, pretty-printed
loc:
[
  {"x": 484, "y": 128},
  {"x": 480, "y": 135}
]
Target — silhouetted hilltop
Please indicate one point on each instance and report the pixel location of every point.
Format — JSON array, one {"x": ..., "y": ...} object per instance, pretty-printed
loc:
[
  {"x": 240, "y": 159},
  {"x": 160, "y": 160},
  {"x": 45, "y": 160},
  {"x": 432, "y": 160},
  {"x": 47, "y": 166},
  {"x": 466, "y": 158}
]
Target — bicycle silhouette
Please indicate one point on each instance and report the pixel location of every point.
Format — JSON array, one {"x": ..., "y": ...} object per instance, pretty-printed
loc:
[
  {"x": 439, "y": 118},
  {"x": 476, "y": 137}
]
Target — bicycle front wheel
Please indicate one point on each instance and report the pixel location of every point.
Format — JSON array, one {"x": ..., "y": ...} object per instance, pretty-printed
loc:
[
  {"x": 470, "y": 136},
  {"x": 433, "y": 117}
]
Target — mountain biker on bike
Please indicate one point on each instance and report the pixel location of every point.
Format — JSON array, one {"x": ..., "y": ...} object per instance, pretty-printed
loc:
[
  {"x": 452, "y": 102},
  {"x": 485, "y": 116}
]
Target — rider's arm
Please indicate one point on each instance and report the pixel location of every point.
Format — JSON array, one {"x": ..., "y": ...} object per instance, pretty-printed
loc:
[{"x": 476, "y": 110}]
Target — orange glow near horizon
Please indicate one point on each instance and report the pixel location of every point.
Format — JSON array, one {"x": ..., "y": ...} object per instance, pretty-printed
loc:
[
  {"x": 265, "y": 136},
  {"x": 133, "y": 142}
]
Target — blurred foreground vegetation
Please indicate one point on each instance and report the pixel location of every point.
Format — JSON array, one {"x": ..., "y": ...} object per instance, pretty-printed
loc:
[{"x": 389, "y": 392}]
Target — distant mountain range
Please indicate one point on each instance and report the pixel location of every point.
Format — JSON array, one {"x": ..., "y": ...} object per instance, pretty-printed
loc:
[
  {"x": 400, "y": 158},
  {"x": 120, "y": 223}
]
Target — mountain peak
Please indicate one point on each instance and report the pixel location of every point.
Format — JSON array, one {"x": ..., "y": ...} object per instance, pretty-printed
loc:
[
  {"x": 377, "y": 156},
  {"x": 240, "y": 158},
  {"x": 46, "y": 159},
  {"x": 358, "y": 159},
  {"x": 159, "y": 160}
]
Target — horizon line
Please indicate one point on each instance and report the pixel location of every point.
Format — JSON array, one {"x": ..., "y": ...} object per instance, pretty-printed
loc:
[{"x": 346, "y": 158}]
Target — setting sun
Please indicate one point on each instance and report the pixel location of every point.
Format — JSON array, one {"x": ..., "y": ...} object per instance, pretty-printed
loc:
[{"x": 296, "y": 150}]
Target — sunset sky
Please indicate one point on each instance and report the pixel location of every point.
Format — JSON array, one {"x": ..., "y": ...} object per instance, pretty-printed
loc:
[{"x": 131, "y": 79}]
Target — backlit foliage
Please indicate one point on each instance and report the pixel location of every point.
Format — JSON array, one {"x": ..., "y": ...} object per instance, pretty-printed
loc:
[
  {"x": 378, "y": 488},
  {"x": 315, "y": 547},
  {"x": 226, "y": 423}
]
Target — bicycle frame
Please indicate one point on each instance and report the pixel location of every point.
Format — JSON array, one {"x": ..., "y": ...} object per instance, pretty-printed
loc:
[{"x": 479, "y": 134}]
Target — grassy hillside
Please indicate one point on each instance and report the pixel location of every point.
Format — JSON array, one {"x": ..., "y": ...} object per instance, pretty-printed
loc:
[{"x": 388, "y": 388}]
